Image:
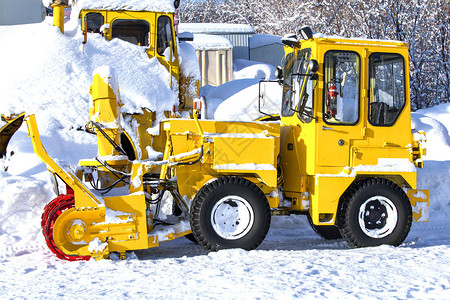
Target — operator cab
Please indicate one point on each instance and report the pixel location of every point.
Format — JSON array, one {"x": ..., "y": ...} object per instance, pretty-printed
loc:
[
  {"x": 355, "y": 91},
  {"x": 341, "y": 88}
]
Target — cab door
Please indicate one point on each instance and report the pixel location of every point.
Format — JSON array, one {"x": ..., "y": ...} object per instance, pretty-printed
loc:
[
  {"x": 340, "y": 122},
  {"x": 388, "y": 111}
]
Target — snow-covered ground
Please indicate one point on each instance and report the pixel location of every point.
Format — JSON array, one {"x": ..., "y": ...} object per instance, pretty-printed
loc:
[{"x": 50, "y": 77}]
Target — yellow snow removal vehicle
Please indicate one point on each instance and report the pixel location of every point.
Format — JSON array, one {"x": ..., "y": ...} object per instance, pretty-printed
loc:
[{"x": 342, "y": 152}]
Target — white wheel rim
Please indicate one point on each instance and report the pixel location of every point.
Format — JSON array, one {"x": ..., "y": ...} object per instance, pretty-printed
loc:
[
  {"x": 378, "y": 217},
  {"x": 232, "y": 217}
]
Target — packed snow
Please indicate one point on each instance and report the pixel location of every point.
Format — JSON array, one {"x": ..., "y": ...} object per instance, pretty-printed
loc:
[
  {"x": 210, "y": 42},
  {"x": 50, "y": 77},
  {"x": 243, "y": 68}
]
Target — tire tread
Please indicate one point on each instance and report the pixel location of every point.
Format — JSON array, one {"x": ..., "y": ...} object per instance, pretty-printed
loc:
[
  {"x": 350, "y": 196},
  {"x": 200, "y": 199}
]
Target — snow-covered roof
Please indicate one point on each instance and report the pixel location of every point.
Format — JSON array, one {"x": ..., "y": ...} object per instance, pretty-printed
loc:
[
  {"x": 215, "y": 28},
  {"x": 135, "y": 5},
  {"x": 210, "y": 42},
  {"x": 359, "y": 40},
  {"x": 259, "y": 40}
]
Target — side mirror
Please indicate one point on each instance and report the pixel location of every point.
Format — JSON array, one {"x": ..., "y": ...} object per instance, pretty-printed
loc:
[
  {"x": 306, "y": 33},
  {"x": 279, "y": 73},
  {"x": 313, "y": 66},
  {"x": 290, "y": 40},
  {"x": 176, "y": 3}
]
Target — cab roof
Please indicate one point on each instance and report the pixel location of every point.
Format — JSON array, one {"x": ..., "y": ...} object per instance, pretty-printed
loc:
[
  {"x": 321, "y": 38},
  {"x": 164, "y": 6}
]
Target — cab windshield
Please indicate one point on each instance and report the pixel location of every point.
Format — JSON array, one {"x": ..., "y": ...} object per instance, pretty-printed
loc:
[{"x": 296, "y": 79}]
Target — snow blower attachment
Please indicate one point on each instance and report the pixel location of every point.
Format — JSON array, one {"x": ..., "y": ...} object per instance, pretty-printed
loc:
[
  {"x": 84, "y": 222},
  {"x": 111, "y": 204}
]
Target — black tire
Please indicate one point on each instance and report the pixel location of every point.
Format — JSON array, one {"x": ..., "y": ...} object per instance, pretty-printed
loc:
[
  {"x": 230, "y": 212},
  {"x": 191, "y": 237},
  {"x": 374, "y": 212},
  {"x": 328, "y": 232}
]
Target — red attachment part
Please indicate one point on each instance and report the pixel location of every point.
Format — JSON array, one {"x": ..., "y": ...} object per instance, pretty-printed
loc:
[
  {"x": 51, "y": 212},
  {"x": 69, "y": 190}
]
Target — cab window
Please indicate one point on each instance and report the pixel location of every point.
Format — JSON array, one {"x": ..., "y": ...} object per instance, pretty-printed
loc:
[
  {"x": 133, "y": 31},
  {"x": 341, "y": 87},
  {"x": 295, "y": 72},
  {"x": 94, "y": 22},
  {"x": 164, "y": 34},
  {"x": 387, "y": 88}
]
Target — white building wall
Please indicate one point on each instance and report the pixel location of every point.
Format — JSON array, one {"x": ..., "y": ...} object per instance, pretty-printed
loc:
[
  {"x": 216, "y": 66},
  {"x": 13, "y": 12}
]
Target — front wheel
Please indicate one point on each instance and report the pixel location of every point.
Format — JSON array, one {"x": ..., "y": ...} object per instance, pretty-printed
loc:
[
  {"x": 230, "y": 212},
  {"x": 375, "y": 212}
]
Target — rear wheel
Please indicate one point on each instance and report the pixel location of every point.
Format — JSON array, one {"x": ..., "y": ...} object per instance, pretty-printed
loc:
[
  {"x": 230, "y": 212},
  {"x": 328, "y": 232},
  {"x": 51, "y": 212},
  {"x": 375, "y": 212}
]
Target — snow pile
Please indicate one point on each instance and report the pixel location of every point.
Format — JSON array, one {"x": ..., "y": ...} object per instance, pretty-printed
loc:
[
  {"x": 435, "y": 122},
  {"x": 238, "y": 100},
  {"x": 188, "y": 61},
  {"x": 21, "y": 202},
  {"x": 52, "y": 79},
  {"x": 435, "y": 175},
  {"x": 243, "y": 68},
  {"x": 210, "y": 42}
]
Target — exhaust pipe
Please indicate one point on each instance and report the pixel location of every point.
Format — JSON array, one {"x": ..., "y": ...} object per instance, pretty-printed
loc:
[{"x": 58, "y": 13}]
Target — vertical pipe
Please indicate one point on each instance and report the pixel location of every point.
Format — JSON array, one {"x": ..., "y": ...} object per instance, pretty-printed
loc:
[{"x": 58, "y": 16}]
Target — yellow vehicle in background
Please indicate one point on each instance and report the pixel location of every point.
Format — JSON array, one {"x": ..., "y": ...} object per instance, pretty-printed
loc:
[
  {"x": 342, "y": 152},
  {"x": 150, "y": 25}
]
